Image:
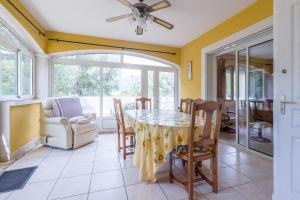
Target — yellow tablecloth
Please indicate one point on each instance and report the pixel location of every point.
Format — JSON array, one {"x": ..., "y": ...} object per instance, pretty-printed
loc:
[{"x": 157, "y": 134}]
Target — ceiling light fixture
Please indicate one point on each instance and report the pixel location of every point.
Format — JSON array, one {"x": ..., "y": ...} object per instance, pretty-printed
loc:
[{"x": 141, "y": 17}]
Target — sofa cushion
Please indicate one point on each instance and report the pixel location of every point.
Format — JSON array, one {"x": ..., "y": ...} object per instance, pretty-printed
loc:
[
  {"x": 56, "y": 109},
  {"x": 83, "y": 128},
  {"x": 80, "y": 120},
  {"x": 69, "y": 107}
]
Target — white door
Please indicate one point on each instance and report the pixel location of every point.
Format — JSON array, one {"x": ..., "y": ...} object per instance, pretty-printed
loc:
[{"x": 287, "y": 84}]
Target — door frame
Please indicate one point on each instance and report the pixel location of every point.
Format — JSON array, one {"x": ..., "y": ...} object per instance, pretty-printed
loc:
[
  {"x": 240, "y": 40},
  {"x": 228, "y": 43}
]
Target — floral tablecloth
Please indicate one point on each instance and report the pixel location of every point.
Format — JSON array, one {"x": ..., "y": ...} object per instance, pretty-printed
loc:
[{"x": 157, "y": 134}]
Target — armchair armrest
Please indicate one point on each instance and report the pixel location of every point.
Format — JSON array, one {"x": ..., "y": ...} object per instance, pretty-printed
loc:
[
  {"x": 56, "y": 120},
  {"x": 91, "y": 116}
]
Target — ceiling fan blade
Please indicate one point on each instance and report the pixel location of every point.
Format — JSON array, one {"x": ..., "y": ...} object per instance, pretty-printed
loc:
[
  {"x": 163, "y": 23},
  {"x": 159, "y": 6},
  {"x": 126, "y": 3},
  {"x": 112, "y": 19}
]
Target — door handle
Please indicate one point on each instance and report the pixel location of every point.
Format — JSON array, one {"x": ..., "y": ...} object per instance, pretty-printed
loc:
[{"x": 283, "y": 101}]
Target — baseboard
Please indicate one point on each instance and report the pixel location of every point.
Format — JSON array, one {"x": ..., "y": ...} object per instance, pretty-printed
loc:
[{"x": 24, "y": 149}]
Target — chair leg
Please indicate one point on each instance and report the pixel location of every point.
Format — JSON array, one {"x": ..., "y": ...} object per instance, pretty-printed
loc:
[
  {"x": 171, "y": 167},
  {"x": 119, "y": 145},
  {"x": 124, "y": 146},
  {"x": 215, "y": 174},
  {"x": 190, "y": 179}
]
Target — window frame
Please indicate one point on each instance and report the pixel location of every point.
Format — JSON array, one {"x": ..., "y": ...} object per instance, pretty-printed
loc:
[
  {"x": 19, "y": 50},
  {"x": 121, "y": 65}
]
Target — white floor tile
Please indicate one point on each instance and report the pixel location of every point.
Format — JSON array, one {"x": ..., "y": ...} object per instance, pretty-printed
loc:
[
  {"x": 77, "y": 169},
  {"x": 232, "y": 177},
  {"x": 33, "y": 191},
  {"x": 228, "y": 194},
  {"x": 78, "y": 197},
  {"x": 261, "y": 190},
  {"x": 106, "y": 180},
  {"x": 106, "y": 165},
  {"x": 131, "y": 176},
  {"x": 70, "y": 187},
  {"x": 46, "y": 173},
  {"x": 254, "y": 173},
  {"x": 113, "y": 194},
  {"x": 3, "y": 196},
  {"x": 145, "y": 191}
]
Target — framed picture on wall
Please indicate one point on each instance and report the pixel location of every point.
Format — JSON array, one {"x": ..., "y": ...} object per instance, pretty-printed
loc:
[{"x": 189, "y": 71}]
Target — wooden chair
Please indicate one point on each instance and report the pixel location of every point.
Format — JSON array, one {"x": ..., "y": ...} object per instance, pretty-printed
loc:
[
  {"x": 185, "y": 105},
  {"x": 122, "y": 130},
  {"x": 204, "y": 149},
  {"x": 141, "y": 103}
]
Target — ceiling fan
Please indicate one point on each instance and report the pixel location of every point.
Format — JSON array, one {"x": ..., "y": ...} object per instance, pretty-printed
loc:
[{"x": 141, "y": 16}]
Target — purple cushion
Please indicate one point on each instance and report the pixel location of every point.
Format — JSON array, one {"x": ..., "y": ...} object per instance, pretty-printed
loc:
[
  {"x": 69, "y": 107},
  {"x": 56, "y": 109}
]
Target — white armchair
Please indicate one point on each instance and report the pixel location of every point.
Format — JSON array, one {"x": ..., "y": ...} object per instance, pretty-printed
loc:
[{"x": 65, "y": 133}]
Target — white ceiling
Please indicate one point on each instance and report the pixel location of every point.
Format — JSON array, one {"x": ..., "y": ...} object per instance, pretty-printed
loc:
[{"x": 190, "y": 17}]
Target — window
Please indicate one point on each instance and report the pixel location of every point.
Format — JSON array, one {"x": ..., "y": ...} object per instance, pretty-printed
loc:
[
  {"x": 26, "y": 72},
  {"x": 98, "y": 78},
  {"x": 166, "y": 90},
  {"x": 230, "y": 86},
  {"x": 78, "y": 80},
  {"x": 120, "y": 83},
  {"x": 142, "y": 61},
  {"x": 16, "y": 66},
  {"x": 8, "y": 72},
  {"x": 95, "y": 57}
]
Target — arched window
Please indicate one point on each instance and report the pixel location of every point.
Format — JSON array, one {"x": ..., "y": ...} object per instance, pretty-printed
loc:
[{"x": 97, "y": 78}]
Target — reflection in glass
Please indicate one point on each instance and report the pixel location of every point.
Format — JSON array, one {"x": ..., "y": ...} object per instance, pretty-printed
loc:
[
  {"x": 261, "y": 97},
  {"x": 242, "y": 103}
]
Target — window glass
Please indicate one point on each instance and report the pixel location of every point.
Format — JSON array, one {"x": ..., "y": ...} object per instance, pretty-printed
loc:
[
  {"x": 26, "y": 74},
  {"x": 81, "y": 81},
  {"x": 8, "y": 72},
  {"x": 95, "y": 57},
  {"x": 120, "y": 83},
  {"x": 142, "y": 61},
  {"x": 7, "y": 34},
  {"x": 167, "y": 90},
  {"x": 151, "y": 86}
]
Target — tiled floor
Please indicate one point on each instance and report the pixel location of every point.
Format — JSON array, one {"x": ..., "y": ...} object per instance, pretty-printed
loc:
[{"x": 96, "y": 172}]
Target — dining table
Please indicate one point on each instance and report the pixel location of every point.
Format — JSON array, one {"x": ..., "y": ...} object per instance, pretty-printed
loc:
[{"x": 157, "y": 134}]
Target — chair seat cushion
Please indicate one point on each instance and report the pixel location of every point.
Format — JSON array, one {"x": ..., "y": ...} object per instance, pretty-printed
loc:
[
  {"x": 83, "y": 128},
  {"x": 80, "y": 120}
]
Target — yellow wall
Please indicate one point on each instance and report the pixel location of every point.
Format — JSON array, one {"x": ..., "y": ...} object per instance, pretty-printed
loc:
[
  {"x": 24, "y": 125},
  {"x": 41, "y": 40},
  {"x": 55, "y": 47},
  {"x": 192, "y": 51}
]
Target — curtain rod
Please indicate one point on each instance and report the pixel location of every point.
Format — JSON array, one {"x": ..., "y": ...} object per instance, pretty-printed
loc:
[
  {"x": 112, "y": 46},
  {"x": 27, "y": 19},
  {"x": 83, "y": 43}
]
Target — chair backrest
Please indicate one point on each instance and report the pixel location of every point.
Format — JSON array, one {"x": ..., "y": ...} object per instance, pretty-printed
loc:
[
  {"x": 119, "y": 114},
  {"x": 185, "y": 105},
  {"x": 141, "y": 103},
  {"x": 209, "y": 138}
]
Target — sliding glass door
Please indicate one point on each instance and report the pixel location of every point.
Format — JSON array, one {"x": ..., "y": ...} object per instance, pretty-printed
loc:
[
  {"x": 261, "y": 97},
  {"x": 255, "y": 97}
]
